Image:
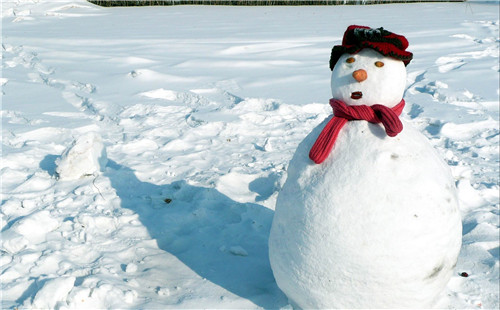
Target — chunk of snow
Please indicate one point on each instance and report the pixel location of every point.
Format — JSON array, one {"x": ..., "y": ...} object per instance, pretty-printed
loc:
[
  {"x": 53, "y": 292},
  {"x": 86, "y": 156},
  {"x": 13, "y": 242},
  {"x": 238, "y": 251},
  {"x": 131, "y": 268}
]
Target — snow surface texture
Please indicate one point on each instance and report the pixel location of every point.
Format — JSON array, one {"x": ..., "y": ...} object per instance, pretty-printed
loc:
[
  {"x": 200, "y": 109},
  {"x": 376, "y": 225}
]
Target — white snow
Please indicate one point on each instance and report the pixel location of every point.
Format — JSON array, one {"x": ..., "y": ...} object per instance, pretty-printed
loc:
[{"x": 195, "y": 167}]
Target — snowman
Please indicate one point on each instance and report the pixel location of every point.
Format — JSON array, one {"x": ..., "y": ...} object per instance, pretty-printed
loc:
[{"x": 368, "y": 216}]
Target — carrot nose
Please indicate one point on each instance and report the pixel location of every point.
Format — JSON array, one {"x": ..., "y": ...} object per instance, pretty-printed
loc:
[{"x": 360, "y": 75}]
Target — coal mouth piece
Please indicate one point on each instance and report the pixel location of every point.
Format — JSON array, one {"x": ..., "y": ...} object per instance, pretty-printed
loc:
[{"x": 356, "y": 95}]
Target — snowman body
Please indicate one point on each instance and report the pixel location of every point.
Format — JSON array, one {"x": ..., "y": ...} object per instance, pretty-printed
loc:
[{"x": 376, "y": 225}]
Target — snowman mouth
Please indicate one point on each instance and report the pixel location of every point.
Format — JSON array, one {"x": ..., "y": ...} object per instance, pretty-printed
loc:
[{"x": 356, "y": 95}]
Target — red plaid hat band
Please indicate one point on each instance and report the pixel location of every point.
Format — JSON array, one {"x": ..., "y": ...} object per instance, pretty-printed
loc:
[{"x": 387, "y": 43}]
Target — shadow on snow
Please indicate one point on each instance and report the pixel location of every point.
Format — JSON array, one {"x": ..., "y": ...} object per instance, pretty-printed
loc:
[{"x": 206, "y": 230}]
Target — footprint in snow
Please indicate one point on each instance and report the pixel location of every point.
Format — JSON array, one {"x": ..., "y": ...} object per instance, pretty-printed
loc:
[
  {"x": 213, "y": 98},
  {"x": 447, "y": 63}
]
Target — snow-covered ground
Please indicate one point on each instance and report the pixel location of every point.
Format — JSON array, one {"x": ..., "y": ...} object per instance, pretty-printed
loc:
[{"x": 143, "y": 148}]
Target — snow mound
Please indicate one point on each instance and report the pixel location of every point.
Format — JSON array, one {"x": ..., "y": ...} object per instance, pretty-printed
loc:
[
  {"x": 86, "y": 156},
  {"x": 54, "y": 292},
  {"x": 35, "y": 226}
]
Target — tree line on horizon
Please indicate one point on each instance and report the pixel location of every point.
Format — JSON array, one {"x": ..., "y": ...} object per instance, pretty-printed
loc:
[{"x": 110, "y": 3}]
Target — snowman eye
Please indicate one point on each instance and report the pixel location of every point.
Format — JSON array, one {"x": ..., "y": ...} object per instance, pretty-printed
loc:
[
  {"x": 350, "y": 60},
  {"x": 379, "y": 64}
]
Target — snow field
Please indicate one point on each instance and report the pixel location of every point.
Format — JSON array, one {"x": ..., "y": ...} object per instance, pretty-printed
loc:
[{"x": 199, "y": 110}]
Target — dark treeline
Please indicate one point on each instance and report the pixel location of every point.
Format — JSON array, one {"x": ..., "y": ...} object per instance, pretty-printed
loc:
[{"x": 109, "y": 3}]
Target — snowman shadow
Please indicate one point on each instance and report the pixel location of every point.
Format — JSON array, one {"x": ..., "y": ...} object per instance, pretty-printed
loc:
[
  {"x": 49, "y": 165},
  {"x": 223, "y": 241}
]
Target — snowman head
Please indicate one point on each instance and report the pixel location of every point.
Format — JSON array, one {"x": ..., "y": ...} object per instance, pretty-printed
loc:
[{"x": 369, "y": 67}]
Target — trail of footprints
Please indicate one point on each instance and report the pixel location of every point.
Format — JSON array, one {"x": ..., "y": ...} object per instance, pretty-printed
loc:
[
  {"x": 488, "y": 46},
  {"x": 74, "y": 92},
  {"x": 489, "y": 29}
]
